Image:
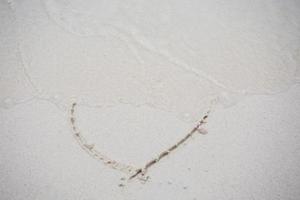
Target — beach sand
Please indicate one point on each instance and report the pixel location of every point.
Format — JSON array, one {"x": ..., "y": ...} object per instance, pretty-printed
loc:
[{"x": 142, "y": 74}]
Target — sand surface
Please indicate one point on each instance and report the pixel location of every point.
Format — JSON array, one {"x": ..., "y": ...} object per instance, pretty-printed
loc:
[{"x": 142, "y": 74}]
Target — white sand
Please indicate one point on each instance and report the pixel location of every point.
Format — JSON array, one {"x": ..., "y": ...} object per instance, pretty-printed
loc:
[{"x": 142, "y": 74}]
